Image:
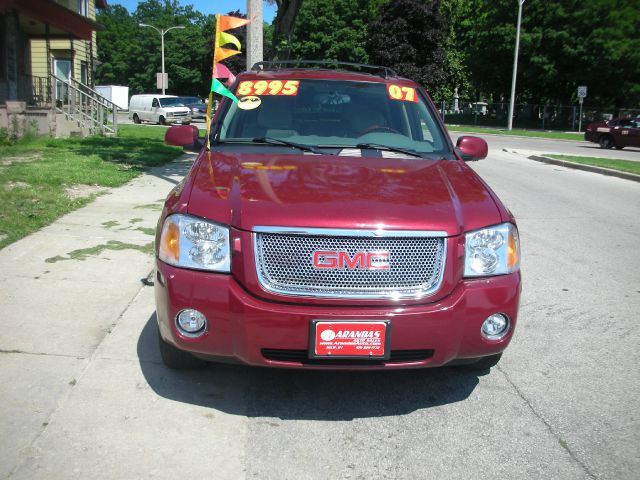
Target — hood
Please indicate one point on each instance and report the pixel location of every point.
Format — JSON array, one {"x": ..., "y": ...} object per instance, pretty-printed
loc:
[{"x": 246, "y": 190}]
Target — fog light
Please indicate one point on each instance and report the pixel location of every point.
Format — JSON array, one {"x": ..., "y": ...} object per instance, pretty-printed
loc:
[
  {"x": 191, "y": 322},
  {"x": 495, "y": 327}
]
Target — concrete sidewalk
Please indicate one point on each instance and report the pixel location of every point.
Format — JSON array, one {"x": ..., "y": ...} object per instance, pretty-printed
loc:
[{"x": 64, "y": 291}]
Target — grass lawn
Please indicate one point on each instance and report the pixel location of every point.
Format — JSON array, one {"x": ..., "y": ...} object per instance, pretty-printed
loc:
[
  {"x": 42, "y": 179},
  {"x": 628, "y": 166},
  {"x": 520, "y": 133}
]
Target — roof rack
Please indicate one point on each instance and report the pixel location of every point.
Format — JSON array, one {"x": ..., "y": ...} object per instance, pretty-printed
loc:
[{"x": 350, "y": 66}]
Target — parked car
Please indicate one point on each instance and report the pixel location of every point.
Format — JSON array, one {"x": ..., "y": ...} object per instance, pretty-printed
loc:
[
  {"x": 333, "y": 224},
  {"x": 618, "y": 133},
  {"x": 160, "y": 109},
  {"x": 196, "y": 105}
]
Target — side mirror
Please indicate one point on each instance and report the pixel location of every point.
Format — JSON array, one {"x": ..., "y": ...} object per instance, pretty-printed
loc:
[
  {"x": 182, "y": 136},
  {"x": 472, "y": 148}
]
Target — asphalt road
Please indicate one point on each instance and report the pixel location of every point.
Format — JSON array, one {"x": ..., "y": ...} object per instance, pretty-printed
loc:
[{"x": 563, "y": 403}]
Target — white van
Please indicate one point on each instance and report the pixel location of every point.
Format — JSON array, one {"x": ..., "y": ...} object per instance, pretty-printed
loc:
[{"x": 161, "y": 109}]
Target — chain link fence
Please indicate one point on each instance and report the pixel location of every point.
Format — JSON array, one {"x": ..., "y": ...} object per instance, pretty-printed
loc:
[{"x": 529, "y": 116}]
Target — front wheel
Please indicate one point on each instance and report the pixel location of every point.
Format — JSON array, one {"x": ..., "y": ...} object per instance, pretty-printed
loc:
[
  {"x": 606, "y": 141},
  {"x": 177, "y": 359},
  {"x": 162, "y": 120}
]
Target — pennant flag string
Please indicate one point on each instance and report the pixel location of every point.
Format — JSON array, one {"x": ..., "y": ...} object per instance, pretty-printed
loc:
[{"x": 223, "y": 23}]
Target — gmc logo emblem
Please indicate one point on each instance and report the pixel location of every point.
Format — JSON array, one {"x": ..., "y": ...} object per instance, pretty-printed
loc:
[{"x": 332, "y": 260}]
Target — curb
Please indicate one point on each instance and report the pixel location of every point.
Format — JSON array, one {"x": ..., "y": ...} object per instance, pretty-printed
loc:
[{"x": 586, "y": 168}]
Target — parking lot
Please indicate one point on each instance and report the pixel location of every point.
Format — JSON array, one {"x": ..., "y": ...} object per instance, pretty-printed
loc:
[{"x": 85, "y": 394}]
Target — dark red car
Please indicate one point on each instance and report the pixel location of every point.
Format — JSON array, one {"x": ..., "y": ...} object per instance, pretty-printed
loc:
[
  {"x": 333, "y": 224},
  {"x": 618, "y": 133}
]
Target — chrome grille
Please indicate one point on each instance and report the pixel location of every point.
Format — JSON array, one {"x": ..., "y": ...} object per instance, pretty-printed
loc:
[{"x": 284, "y": 263}]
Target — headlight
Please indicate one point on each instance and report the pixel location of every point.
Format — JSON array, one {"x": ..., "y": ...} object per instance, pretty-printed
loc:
[
  {"x": 192, "y": 242},
  {"x": 492, "y": 251}
]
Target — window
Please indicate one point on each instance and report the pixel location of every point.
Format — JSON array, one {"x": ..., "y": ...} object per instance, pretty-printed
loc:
[
  {"x": 155, "y": 103},
  {"x": 83, "y": 8},
  {"x": 84, "y": 73}
]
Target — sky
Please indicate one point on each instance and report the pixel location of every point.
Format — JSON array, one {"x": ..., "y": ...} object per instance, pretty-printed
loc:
[{"x": 209, "y": 6}]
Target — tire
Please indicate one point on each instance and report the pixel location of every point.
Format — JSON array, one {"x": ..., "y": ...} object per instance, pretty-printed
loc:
[
  {"x": 136, "y": 119},
  {"x": 484, "y": 363},
  {"x": 619, "y": 148},
  {"x": 177, "y": 359},
  {"x": 162, "y": 120},
  {"x": 606, "y": 141}
]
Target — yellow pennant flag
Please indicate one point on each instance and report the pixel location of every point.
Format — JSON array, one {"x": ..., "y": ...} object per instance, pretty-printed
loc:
[{"x": 226, "y": 38}]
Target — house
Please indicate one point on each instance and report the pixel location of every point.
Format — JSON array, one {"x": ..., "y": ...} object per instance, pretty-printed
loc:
[{"x": 47, "y": 68}]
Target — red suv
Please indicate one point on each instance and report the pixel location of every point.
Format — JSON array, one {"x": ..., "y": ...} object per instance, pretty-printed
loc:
[{"x": 331, "y": 223}]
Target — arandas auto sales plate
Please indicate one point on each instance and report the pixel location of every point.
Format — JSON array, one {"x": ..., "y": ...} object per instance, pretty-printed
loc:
[{"x": 349, "y": 339}]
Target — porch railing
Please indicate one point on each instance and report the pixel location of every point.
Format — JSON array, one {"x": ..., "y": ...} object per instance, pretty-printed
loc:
[{"x": 80, "y": 103}]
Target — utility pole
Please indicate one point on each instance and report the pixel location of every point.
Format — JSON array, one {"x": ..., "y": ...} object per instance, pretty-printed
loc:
[
  {"x": 254, "y": 32},
  {"x": 515, "y": 66}
]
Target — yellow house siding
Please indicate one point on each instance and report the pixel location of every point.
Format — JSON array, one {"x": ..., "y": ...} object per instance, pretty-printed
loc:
[
  {"x": 38, "y": 58},
  {"x": 79, "y": 50}
]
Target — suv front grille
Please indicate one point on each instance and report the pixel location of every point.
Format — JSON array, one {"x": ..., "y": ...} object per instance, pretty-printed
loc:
[{"x": 284, "y": 263}]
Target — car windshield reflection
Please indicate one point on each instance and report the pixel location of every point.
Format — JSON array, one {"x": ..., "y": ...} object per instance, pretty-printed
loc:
[{"x": 338, "y": 114}]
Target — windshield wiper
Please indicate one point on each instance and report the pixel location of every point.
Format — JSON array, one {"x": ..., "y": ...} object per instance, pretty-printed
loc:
[
  {"x": 377, "y": 146},
  {"x": 300, "y": 146}
]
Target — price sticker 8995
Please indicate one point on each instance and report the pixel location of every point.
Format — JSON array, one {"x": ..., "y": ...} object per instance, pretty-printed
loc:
[{"x": 268, "y": 87}]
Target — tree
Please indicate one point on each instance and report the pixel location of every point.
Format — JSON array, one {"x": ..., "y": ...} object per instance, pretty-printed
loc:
[
  {"x": 563, "y": 44},
  {"x": 130, "y": 54},
  {"x": 283, "y": 25},
  {"x": 331, "y": 29},
  {"x": 114, "y": 45},
  {"x": 456, "y": 71},
  {"x": 410, "y": 37}
]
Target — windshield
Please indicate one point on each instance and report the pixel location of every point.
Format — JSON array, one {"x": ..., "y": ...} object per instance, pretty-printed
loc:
[
  {"x": 190, "y": 100},
  {"x": 171, "y": 102},
  {"x": 333, "y": 113}
]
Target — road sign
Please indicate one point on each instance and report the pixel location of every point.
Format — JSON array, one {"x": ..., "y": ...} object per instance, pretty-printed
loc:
[
  {"x": 582, "y": 93},
  {"x": 159, "y": 78}
]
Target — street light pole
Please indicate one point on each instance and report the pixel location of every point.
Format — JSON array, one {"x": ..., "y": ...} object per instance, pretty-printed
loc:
[
  {"x": 515, "y": 66},
  {"x": 161, "y": 31}
]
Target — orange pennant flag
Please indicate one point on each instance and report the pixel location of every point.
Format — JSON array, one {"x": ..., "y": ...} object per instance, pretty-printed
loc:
[
  {"x": 222, "y": 53},
  {"x": 226, "y": 22}
]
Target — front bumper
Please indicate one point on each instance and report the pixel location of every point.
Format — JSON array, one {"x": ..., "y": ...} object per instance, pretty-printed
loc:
[
  {"x": 244, "y": 328},
  {"x": 183, "y": 120}
]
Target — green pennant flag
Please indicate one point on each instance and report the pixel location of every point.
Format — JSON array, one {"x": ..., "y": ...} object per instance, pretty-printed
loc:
[{"x": 219, "y": 88}]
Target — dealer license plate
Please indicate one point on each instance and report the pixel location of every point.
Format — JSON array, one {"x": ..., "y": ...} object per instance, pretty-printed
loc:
[{"x": 350, "y": 339}]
